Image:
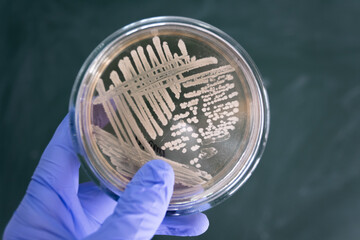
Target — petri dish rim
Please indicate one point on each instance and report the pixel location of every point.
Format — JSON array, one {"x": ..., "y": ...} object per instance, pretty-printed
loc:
[{"x": 238, "y": 177}]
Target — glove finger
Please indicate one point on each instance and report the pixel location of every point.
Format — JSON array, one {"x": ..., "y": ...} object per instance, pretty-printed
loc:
[
  {"x": 99, "y": 117},
  {"x": 143, "y": 205},
  {"x": 188, "y": 225},
  {"x": 97, "y": 204},
  {"x": 59, "y": 166}
]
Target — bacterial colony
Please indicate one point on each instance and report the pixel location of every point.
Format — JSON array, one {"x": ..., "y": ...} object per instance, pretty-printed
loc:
[{"x": 155, "y": 92}]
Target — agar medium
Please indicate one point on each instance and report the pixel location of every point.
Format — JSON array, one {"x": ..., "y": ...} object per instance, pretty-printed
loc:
[{"x": 174, "y": 89}]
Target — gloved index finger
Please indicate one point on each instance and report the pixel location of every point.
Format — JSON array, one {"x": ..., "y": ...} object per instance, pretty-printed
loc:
[
  {"x": 59, "y": 165},
  {"x": 187, "y": 225}
]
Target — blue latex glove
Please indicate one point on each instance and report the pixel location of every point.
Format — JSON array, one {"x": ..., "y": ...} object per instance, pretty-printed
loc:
[{"x": 55, "y": 206}]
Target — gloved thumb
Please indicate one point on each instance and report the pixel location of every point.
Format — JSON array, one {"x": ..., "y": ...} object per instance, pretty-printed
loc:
[{"x": 143, "y": 205}]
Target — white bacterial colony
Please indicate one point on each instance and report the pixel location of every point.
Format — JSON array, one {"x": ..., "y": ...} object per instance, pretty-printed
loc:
[
  {"x": 142, "y": 99},
  {"x": 215, "y": 99}
]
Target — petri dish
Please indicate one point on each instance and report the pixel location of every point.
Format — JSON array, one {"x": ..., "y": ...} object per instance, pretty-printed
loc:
[{"x": 175, "y": 89}]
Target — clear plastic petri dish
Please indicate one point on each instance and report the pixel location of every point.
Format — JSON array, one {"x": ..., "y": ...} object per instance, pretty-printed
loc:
[{"x": 175, "y": 89}]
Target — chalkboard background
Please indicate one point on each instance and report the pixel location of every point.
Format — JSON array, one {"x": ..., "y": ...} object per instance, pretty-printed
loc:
[{"x": 307, "y": 183}]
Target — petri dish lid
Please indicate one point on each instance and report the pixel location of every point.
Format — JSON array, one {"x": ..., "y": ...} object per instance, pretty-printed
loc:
[{"x": 175, "y": 89}]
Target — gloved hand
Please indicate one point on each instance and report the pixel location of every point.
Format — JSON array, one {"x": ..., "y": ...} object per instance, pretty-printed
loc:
[{"x": 55, "y": 206}]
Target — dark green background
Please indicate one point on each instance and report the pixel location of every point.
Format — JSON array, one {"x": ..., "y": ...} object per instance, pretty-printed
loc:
[{"x": 307, "y": 183}]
